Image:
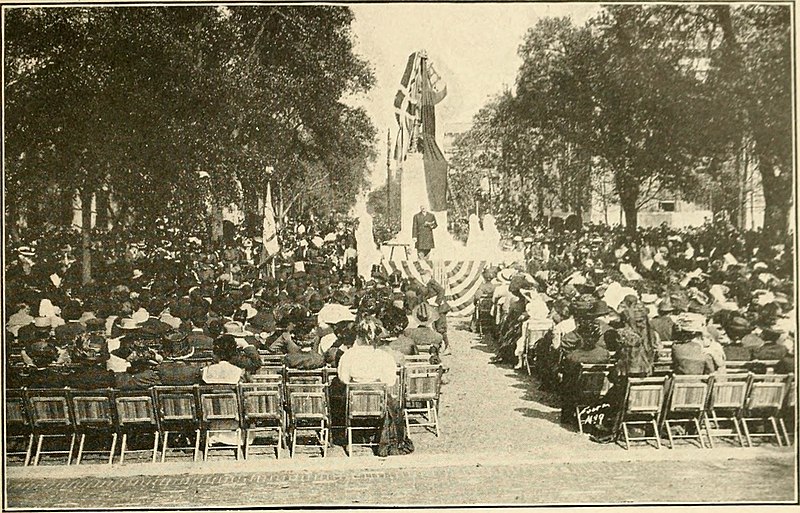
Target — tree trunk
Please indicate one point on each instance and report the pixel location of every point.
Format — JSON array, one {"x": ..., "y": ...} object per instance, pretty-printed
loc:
[
  {"x": 216, "y": 223},
  {"x": 86, "y": 234},
  {"x": 631, "y": 215},
  {"x": 778, "y": 203}
]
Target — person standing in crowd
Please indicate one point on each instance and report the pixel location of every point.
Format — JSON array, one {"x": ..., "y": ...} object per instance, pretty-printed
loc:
[
  {"x": 435, "y": 295},
  {"x": 422, "y": 227}
]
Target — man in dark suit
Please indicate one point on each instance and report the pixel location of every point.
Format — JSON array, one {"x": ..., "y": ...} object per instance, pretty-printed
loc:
[
  {"x": 422, "y": 231},
  {"x": 174, "y": 370}
]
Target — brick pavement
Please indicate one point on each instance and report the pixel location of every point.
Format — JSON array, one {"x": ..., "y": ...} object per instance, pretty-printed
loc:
[{"x": 763, "y": 479}]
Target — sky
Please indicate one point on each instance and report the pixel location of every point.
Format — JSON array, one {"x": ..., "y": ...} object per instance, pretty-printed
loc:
[{"x": 472, "y": 46}]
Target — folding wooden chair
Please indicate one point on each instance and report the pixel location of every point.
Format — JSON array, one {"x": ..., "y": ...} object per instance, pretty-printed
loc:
[
  {"x": 270, "y": 360},
  {"x": 366, "y": 404},
  {"x": 592, "y": 384},
  {"x": 136, "y": 415},
  {"x": 421, "y": 396},
  {"x": 51, "y": 417},
  {"x": 93, "y": 412},
  {"x": 728, "y": 393},
  {"x": 688, "y": 397},
  {"x": 418, "y": 359},
  {"x": 18, "y": 423},
  {"x": 177, "y": 413},
  {"x": 736, "y": 367},
  {"x": 220, "y": 414},
  {"x": 789, "y": 408},
  {"x": 644, "y": 399},
  {"x": 308, "y": 412},
  {"x": 662, "y": 368},
  {"x": 665, "y": 355},
  {"x": 262, "y": 414},
  {"x": 765, "y": 397},
  {"x": 309, "y": 377}
]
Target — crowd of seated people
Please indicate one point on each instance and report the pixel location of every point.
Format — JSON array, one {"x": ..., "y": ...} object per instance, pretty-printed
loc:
[
  {"x": 688, "y": 301},
  {"x": 171, "y": 322}
]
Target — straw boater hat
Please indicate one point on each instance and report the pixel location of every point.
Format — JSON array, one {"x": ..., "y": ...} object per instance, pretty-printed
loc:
[
  {"x": 424, "y": 314},
  {"x": 128, "y": 323}
]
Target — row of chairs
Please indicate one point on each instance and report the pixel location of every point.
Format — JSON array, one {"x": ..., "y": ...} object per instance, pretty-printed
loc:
[
  {"x": 246, "y": 412},
  {"x": 662, "y": 403}
]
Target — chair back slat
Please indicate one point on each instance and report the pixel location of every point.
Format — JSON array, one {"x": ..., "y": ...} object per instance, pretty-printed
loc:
[
  {"x": 16, "y": 412},
  {"x": 94, "y": 410},
  {"x": 219, "y": 404},
  {"x": 261, "y": 401},
  {"x": 48, "y": 408},
  {"x": 645, "y": 395},
  {"x": 593, "y": 382},
  {"x": 366, "y": 400},
  {"x": 267, "y": 378},
  {"x": 729, "y": 392},
  {"x": 422, "y": 382},
  {"x": 767, "y": 391},
  {"x": 311, "y": 377},
  {"x": 270, "y": 360},
  {"x": 689, "y": 393},
  {"x": 135, "y": 409},
  {"x": 307, "y": 401},
  {"x": 176, "y": 404},
  {"x": 274, "y": 370}
]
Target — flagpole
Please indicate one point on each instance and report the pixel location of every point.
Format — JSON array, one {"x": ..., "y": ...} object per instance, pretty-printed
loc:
[{"x": 388, "y": 179}]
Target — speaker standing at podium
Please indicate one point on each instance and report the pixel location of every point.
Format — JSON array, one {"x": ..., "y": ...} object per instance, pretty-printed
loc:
[{"x": 422, "y": 231}]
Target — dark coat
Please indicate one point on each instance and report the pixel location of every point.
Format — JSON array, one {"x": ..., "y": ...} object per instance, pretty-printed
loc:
[
  {"x": 91, "y": 378},
  {"x": 45, "y": 378},
  {"x": 424, "y": 336},
  {"x": 663, "y": 325},
  {"x": 770, "y": 351},
  {"x": 737, "y": 353},
  {"x": 173, "y": 373},
  {"x": 422, "y": 230},
  {"x": 689, "y": 358},
  {"x": 67, "y": 333},
  {"x": 139, "y": 381}
]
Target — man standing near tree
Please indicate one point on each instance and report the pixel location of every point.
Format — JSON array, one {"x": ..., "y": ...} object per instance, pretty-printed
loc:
[{"x": 422, "y": 231}]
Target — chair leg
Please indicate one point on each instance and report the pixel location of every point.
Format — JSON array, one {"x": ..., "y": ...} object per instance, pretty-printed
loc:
[
  {"x": 746, "y": 432},
  {"x": 436, "y": 419},
  {"x": 205, "y": 446},
  {"x": 325, "y": 433},
  {"x": 123, "y": 445},
  {"x": 155, "y": 445},
  {"x": 775, "y": 430},
  {"x": 578, "y": 416},
  {"x": 113, "y": 448},
  {"x": 38, "y": 451},
  {"x": 707, "y": 423},
  {"x": 669, "y": 434},
  {"x": 30, "y": 446},
  {"x": 196, "y": 444},
  {"x": 656, "y": 433},
  {"x": 71, "y": 448},
  {"x": 293, "y": 447},
  {"x": 165, "y": 447},
  {"x": 80, "y": 449},
  {"x": 246, "y": 444},
  {"x": 349, "y": 441},
  {"x": 699, "y": 433},
  {"x": 239, "y": 445},
  {"x": 625, "y": 432},
  {"x": 783, "y": 428}
]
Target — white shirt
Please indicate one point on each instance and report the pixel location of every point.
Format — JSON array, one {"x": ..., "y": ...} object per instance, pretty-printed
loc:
[
  {"x": 223, "y": 373},
  {"x": 365, "y": 364}
]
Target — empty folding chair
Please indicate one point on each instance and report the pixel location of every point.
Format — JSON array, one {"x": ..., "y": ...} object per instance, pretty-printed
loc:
[
  {"x": 366, "y": 408},
  {"x": 221, "y": 420},
  {"x": 136, "y": 416},
  {"x": 93, "y": 411},
  {"x": 687, "y": 401},
  {"x": 421, "y": 396},
  {"x": 18, "y": 424},
  {"x": 262, "y": 414},
  {"x": 765, "y": 398},
  {"x": 591, "y": 385},
  {"x": 725, "y": 404},
  {"x": 308, "y": 413},
  {"x": 177, "y": 414},
  {"x": 51, "y": 417},
  {"x": 644, "y": 399}
]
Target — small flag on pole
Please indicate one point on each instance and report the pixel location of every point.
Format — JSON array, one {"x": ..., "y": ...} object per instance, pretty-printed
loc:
[{"x": 270, "y": 233}]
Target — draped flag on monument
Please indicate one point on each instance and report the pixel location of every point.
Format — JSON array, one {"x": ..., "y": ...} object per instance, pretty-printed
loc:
[
  {"x": 405, "y": 106},
  {"x": 408, "y": 96},
  {"x": 270, "y": 234},
  {"x": 433, "y": 91}
]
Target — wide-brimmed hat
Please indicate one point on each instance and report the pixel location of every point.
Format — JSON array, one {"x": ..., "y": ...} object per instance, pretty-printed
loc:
[
  {"x": 665, "y": 305},
  {"x": 691, "y": 322},
  {"x": 128, "y": 323},
  {"x": 42, "y": 322},
  {"x": 333, "y": 313},
  {"x": 600, "y": 309},
  {"x": 176, "y": 346},
  {"x": 506, "y": 274},
  {"x": 42, "y": 353}
]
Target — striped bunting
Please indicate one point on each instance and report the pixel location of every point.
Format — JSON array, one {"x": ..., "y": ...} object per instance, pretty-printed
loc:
[{"x": 461, "y": 279}]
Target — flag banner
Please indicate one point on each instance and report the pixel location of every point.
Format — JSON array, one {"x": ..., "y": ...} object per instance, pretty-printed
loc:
[
  {"x": 270, "y": 233},
  {"x": 406, "y": 102},
  {"x": 433, "y": 159}
]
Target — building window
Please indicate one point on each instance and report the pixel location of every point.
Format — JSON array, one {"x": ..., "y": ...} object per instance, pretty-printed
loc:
[{"x": 667, "y": 206}]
